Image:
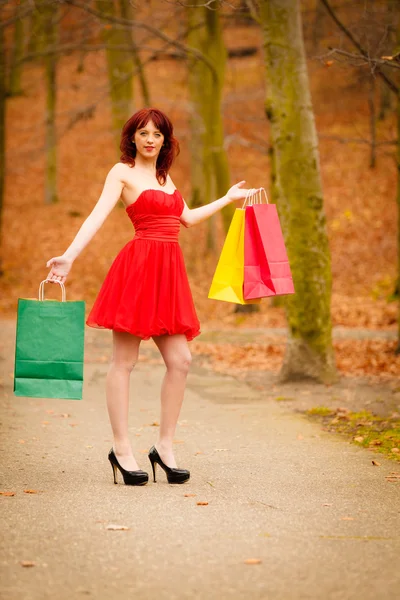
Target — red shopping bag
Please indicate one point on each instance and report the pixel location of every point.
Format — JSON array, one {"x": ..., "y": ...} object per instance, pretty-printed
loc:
[{"x": 266, "y": 266}]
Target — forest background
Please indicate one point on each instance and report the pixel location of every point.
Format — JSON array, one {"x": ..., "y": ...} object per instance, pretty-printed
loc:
[{"x": 57, "y": 64}]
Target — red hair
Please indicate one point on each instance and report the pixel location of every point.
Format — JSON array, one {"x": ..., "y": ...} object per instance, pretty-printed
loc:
[{"x": 169, "y": 150}]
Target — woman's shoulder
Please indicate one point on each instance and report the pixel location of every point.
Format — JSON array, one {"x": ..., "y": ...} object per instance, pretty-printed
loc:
[
  {"x": 124, "y": 173},
  {"x": 121, "y": 167}
]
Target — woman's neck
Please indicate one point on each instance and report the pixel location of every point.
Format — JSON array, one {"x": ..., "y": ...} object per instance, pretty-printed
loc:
[{"x": 148, "y": 165}]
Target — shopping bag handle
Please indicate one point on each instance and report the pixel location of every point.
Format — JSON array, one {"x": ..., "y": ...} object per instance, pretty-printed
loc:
[
  {"x": 254, "y": 196},
  {"x": 41, "y": 289}
]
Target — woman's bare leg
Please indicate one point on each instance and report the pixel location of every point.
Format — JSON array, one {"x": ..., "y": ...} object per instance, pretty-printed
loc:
[
  {"x": 176, "y": 354},
  {"x": 125, "y": 355}
]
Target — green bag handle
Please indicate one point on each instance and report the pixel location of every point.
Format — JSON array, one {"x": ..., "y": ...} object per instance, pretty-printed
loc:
[{"x": 41, "y": 290}]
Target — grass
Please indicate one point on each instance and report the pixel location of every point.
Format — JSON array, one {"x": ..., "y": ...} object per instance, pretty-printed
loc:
[
  {"x": 320, "y": 411},
  {"x": 382, "y": 434}
]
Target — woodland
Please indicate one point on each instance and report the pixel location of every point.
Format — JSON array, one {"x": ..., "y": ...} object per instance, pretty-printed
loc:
[{"x": 301, "y": 98}]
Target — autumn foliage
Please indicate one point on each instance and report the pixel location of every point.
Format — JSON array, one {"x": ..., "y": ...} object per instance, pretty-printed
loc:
[{"x": 359, "y": 201}]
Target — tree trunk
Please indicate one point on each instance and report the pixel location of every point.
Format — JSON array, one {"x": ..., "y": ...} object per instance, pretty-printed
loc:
[
  {"x": 34, "y": 30},
  {"x": 372, "y": 122},
  {"x": 385, "y": 96},
  {"x": 127, "y": 13},
  {"x": 385, "y": 100},
  {"x": 398, "y": 216},
  {"x": 119, "y": 66},
  {"x": 396, "y": 21},
  {"x": 210, "y": 169},
  {"x": 2, "y": 135},
  {"x": 297, "y": 189},
  {"x": 50, "y": 27},
  {"x": 317, "y": 33},
  {"x": 14, "y": 87}
]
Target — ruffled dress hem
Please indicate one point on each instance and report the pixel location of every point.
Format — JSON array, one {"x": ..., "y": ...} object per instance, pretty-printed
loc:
[{"x": 189, "y": 333}]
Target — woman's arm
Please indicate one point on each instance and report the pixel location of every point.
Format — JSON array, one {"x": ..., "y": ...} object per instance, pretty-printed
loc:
[
  {"x": 113, "y": 186},
  {"x": 192, "y": 216}
]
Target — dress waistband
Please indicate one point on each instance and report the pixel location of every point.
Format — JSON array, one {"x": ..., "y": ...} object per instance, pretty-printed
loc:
[{"x": 162, "y": 228}]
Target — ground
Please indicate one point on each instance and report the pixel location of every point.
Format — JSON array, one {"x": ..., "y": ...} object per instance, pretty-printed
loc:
[{"x": 276, "y": 507}]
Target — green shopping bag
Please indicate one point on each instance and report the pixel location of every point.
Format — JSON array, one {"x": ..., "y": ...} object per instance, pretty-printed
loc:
[{"x": 49, "y": 347}]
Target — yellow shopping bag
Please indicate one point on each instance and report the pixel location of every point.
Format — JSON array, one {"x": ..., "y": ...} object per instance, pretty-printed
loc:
[{"x": 227, "y": 283}]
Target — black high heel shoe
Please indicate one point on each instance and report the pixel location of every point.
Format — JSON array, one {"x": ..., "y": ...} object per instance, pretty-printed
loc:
[
  {"x": 173, "y": 475},
  {"x": 130, "y": 477}
]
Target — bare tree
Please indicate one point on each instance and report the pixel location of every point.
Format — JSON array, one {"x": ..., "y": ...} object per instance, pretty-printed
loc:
[
  {"x": 2, "y": 129},
  {"x": 119, "y": 65},
  {"x": 128, "y": 13},
  {"x": 210, "y": 169},
  {"x": 15, "y": 68},
  {"x": 387, "y": 69}
]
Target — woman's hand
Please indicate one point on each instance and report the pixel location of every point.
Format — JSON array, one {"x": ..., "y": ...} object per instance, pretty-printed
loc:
[
  {"x": 237, "y": 192},
  {"x": 60, "y": 267}
]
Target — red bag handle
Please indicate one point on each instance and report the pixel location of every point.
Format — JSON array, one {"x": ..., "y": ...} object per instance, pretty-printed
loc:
[{"x": 254, "y": 196}]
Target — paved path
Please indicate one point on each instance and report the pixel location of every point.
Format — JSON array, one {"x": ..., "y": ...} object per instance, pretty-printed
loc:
[{"x": 322, "y": 520}]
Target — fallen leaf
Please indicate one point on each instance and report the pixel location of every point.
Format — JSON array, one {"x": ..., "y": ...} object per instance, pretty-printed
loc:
[
  {"x": 252, "y": 561},
  {"x": 30, "y": 491},
  {"x": 395, "y": 450},
  {"x": 50, "y": 411},
  {"x": 358, "y": 438},
  {"x": 376, "y": 463},
  {"x": 88, "y": 446},
  {"x": 327, "y": 504},
  {"x": 65, "y": 415},
  {"x": 202, "y": 503},
  {"x": 155, "y": 424},
  {"x": 27, "y": 563},
  {"x": 199, "y": 452},
  {"x": 189, "y": 495},
  {"x": 45, "y": 422},
  {"x": 113, "y": 527},
  {"x": 220, "y": 449},
  {"x": 7, "y": 493},
  {"x": 73, "y": 424},
  {"x": 375, "y": 443},
  {"x": 21, "y": 441}
]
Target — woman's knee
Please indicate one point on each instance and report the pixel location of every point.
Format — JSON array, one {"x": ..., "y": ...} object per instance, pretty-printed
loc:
[
  {"x": 180, "y": 362},
  {"x": 123, "y": 364}
]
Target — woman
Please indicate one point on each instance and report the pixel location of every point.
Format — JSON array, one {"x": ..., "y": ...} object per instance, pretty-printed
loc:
[{"x": 146, "y": 291}]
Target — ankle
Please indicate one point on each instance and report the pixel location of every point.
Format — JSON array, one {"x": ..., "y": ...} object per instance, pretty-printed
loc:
[
  {"x": 122, "y": 448},
  {"x": 164, "y": 446}
]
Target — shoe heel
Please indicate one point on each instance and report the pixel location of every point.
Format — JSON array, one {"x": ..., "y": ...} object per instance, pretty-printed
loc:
[
  {"x": 115, "y": 471},
  {"x": 153, "y": 464}
]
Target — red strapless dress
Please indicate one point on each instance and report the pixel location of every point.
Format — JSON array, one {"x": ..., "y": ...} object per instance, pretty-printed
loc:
[{"x": 146, "y": 291}]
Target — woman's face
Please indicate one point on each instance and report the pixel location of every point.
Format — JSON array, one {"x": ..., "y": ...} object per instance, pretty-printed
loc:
[{"x": 148, "y": 140}]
